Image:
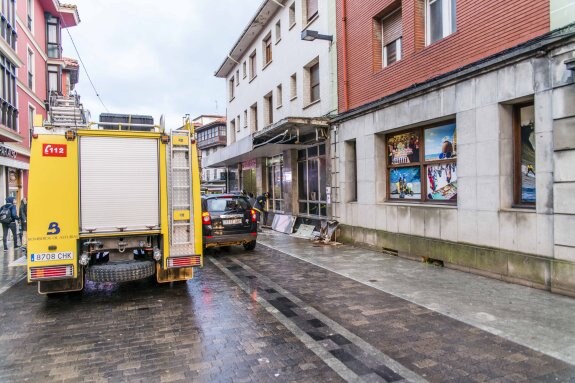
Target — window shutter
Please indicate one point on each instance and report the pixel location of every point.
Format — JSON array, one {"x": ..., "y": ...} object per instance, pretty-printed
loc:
[{"x": 391, "y": 27}]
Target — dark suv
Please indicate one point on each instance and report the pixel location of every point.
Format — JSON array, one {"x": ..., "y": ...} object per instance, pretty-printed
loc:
[{"x": 228, "y": 220}]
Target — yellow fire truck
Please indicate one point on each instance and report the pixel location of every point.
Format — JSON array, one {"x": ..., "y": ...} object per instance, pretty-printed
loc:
[{"x": 111, "y": 201}]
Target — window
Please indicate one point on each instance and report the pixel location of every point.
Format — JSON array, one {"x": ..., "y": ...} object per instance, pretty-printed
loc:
[
  {"x": 31, "y": 114},
  {"x": 525, "y": 154},
  {"x": 267, "y": 49},
  {"x": 245, "y": 118},
  {"x": 312, "y": 72},
  {"x": 440, "y": 19},
  {"x": 279, "y": 96},
  {"x": 8, "y": 23},
  {"x": 312, "y": 173},
  {"x": 391, "y": 31},
  {"x": 274, "y": 167},
  {"x": 292, "y": 15},
  {"x": 9, "y": 112},
  {"x": 237, "y": 77},
  {"x": 238, "y": 124},
  {"x": 254, "y": 118},
  {"x": 310, "y": 10},
  {"x": 53, "y": 78},
  {"x": 30, "y": 66},
  {"x": 54, "y": 47},
  {"x": 253, "y": 65},
  {"x": 30, "y": 14},
  {"x": 293, "y": 86},
  {"x": 268, "y": 109},
  {"x": 351, "y": 170},
  {"x": 231, "y": 88},
  {"x": 423, "y": 172},
  {"x": 244, "y": 70},
  {"x": 278, "y": 31},
  {"x": 232, "y": 130}
]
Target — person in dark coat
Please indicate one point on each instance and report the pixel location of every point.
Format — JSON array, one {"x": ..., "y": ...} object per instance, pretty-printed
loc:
[
  {"x": 11, "y": 225},
  {"x": 23, "y": 213},
  {"x": 260, "y": 207}
]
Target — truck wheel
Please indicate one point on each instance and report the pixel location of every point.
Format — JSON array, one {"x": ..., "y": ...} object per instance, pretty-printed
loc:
[
  {"x": 250, "y": 245},
  {"x": 121, "y": 271}
]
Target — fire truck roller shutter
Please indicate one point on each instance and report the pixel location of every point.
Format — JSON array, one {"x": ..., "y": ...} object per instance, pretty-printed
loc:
[{"x": 119, "y": 184}]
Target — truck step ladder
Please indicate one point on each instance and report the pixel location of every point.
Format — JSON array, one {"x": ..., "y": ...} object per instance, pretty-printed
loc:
[{"x": 181, "y": 212}]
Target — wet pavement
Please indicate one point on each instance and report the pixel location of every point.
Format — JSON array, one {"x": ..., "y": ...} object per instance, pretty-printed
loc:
[{"x": 291, "y": 311}]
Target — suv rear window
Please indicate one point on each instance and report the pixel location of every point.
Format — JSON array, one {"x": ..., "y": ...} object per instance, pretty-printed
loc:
[{"x": 227, "y": 204}]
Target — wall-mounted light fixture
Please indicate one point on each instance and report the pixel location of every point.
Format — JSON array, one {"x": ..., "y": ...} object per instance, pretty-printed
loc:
[{"x": 308, "y": 35}]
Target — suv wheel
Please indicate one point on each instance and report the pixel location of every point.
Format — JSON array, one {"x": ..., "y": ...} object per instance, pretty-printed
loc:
[{"x": 250, "y": 245}]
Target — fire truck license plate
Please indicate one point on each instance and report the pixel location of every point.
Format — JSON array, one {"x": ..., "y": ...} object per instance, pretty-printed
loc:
[
  {"x": 232, "y": 221},
  {"x": 43, "y": 257}
]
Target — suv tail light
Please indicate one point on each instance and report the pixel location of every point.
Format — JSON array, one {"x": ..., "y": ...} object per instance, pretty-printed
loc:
[
  {"x": 254, "y": 215},
  {"x": 206, "y": 219}
]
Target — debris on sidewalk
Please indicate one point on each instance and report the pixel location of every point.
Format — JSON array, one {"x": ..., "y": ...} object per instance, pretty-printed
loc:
[{"x": 284, "y": 223}]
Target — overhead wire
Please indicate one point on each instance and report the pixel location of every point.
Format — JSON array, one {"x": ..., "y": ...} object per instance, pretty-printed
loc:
[{"x": 82, "y": 61}]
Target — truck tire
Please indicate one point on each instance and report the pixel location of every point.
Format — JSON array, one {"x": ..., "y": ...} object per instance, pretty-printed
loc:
[
  {"x": 250, "y": 245},
  {"x": 121, "y": 271}
]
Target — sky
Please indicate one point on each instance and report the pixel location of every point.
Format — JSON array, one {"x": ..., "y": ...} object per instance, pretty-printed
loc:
[{"x": 155, "y": 57}]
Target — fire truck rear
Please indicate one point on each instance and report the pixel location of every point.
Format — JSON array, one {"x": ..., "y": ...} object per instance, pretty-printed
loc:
[{"x": 111, "y": 201}]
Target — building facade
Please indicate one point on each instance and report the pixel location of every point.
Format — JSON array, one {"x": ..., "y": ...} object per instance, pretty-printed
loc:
[
  {"x": 32, "y": 64},
  {"x": 281, "y": 90},
  {"x": 211, "y": 136},
  {"x": 455, "y": 139}
]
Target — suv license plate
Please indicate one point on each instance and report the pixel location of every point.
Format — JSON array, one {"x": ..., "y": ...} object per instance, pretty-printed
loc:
[{"x": 232, "y": 221}]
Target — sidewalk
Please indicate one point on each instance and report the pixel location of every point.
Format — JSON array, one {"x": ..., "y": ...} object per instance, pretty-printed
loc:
[
  {"x": 533, "y": 318},
  {"x": 10, "y": 275}
]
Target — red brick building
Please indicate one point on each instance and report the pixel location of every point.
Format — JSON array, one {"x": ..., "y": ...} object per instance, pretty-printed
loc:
[
  {"x": 481, "y": 30},
  {"x": 455, "y": 137}
]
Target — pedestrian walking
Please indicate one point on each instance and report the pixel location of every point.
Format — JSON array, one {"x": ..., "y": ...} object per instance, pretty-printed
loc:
[
  {"x": 8, "y": 218},
  {"x": 260, "y": 207},
  {"x": 23, "y": 213}
]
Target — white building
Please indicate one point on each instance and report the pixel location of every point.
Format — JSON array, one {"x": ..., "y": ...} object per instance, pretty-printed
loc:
[{"x": 280, "y": 90}]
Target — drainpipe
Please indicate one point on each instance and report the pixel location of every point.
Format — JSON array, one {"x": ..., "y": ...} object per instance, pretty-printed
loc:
[{"x": 344, "y": 43}]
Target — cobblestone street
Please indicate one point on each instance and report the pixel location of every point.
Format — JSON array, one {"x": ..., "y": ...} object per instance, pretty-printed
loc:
[{"x": 253, "y": 317}]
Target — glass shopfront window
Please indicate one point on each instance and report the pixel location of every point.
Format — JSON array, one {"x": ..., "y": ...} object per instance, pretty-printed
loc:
[
  {"x": 274, "y": 168},
  {"x": 249, "y": 176},
  {"x": 312, "y": 173}
]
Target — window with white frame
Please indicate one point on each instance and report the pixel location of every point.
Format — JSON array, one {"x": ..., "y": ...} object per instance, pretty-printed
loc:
[
  {"x": 268, "y": 109},
  {"x": 292, "y": 15},
  {"x": 278, "y": 31},
  {"x": 31, "y": 114},
  {"x": 440, "y": 19},
  {"x": 245, "y": 118},
  {"x": 254, "y": 118},
  {"x": 293, "y": 86},
  {"x": 30, "y": 14},
  {"x": 311, "y": 82},
  {"x": 310, "y": 10},
  {"x": 279, "y": 96},
  {"x": 244, "y": 70},
  {"x": 238, "y": 124},
  {"x": 391, "y": 32},
  {"x": 267, "y": 49},
  {"x": 253, "y": 64},
  {"x": 31, "y": 69},
  {"x": 231, "y": 88},
  {"x": 237, "y": 77}
]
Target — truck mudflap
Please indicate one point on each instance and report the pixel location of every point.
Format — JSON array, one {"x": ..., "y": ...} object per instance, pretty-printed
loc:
[
  {"x": 173, "y": 275},
  {"x": 62, "y": 285},
  {"x": 123, "y": 271}
]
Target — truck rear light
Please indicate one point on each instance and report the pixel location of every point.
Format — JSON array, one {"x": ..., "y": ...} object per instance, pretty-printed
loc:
[
  {"x": 206, "y": 219},
  {"x": 51, "y": 272},
  {"x": 254, "y": 215},
  {"x": 189, "y": 261}
]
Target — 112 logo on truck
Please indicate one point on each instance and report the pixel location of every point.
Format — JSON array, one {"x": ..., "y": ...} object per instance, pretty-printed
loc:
[{"x": 54, "y": 150}]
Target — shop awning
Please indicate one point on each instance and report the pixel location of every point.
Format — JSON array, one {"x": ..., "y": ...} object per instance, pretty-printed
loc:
[{"x": 9, "y": 162}]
